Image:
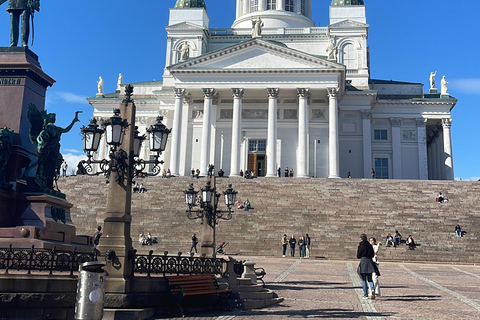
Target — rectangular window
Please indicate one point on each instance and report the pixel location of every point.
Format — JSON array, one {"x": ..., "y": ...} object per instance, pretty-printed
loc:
[
  {"x": 271, "y": 4},
  {"x": 253, "y": 5},
  {"x": 381, "y": 168},
  {"x": 289, "y": 5},
  {"x": 380, "y": 134},
  {"x": 257, "y": 145},
  {"x": 303, "y": 7}
]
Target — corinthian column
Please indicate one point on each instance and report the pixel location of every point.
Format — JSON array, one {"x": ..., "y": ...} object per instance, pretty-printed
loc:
[
  {"x": 272, "y": 133},
  {"x": 422, "y": 149},
  {"x": 208, "y": 93},
  {"x": 367, "y": 142},
  {"x": 333, "y": 150},
  {"x": 176, "y": 131},
  {"x": 396, "y": 147},
  {"x": 447, "y": 149},
  {"x": 236, "y": 130},
  {"x": 302, "y": 170}
]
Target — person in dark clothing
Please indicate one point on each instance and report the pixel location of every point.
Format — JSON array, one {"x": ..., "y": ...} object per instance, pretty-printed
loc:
[
  {"x": 292, "y": 242},
  {"x": 194, "y": 243},
  {"x": 367, "y": 266},
  {"x": 307, "y": 246}
]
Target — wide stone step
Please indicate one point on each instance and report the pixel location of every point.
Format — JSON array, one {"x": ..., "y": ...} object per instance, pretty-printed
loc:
[
  {"x": 258, "y": 304},
  {"x": 264, "y": 294}
]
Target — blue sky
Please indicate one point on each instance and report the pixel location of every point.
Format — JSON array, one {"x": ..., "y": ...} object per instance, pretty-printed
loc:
[{"x": 79, "y": 41}]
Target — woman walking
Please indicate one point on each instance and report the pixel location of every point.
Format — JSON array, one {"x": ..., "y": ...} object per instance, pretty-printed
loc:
[
  {"x": 366, "y": 266},
  {"x": 376, "y": 247}
]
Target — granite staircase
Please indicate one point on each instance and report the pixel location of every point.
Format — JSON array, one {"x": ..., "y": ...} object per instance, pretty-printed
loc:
[{"x": 334, "y": 212}]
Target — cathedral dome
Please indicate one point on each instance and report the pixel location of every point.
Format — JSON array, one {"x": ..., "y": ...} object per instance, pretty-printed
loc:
[
  {"x": 347, "y": 3},
  {"x": 190, "y": 4}
]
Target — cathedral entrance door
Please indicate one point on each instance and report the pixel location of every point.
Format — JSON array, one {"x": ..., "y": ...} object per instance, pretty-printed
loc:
[{"x": 257, "y": 163}]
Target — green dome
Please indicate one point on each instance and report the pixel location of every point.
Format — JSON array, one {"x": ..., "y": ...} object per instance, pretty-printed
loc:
[
  {"x": 190, "y": 4},
  {"x": 347, "y": 3}
]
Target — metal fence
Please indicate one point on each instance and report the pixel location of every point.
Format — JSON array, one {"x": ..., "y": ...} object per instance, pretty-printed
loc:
[
  {"x": 165, "y": 264},
  {"x": 43, "y": 260}
]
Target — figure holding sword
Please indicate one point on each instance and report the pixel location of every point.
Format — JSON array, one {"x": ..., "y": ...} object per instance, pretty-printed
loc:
[{"x": 23, "y": 9}]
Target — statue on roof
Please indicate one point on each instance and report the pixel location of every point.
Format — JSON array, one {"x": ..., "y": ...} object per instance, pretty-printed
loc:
[
  {"x": 100, "y": 85},
  {"x": 46, "y": 135},
  {"x": 184, "y": 51},
  {"x": 24, "y": 9},
  {"x": 444, "y": 87},
  {"x": 332, "y": 50},
  {"x": 432, "y": 79},
  {"x": 257, "y": 27},
  {"x": 119, "y": 82}
]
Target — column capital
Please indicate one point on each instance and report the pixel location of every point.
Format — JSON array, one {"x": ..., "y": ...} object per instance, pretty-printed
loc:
[
  {"x": 237, "y": 92},
  {"x": 208, "y": 92},
  {"x": 179, "y": 92},
  {"x": 366, "y": 114},
  {"x": 396, "y": 122},
  {"x": 273, "y": 92},
  {"x": 303, "y": 92},
  {"x": 420, "y": 122},
  {"x": 333, "y": 92},
  {"x": 446, "y": 122}
]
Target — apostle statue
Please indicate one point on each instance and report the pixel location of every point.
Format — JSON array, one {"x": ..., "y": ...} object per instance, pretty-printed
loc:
[
  {"x": 24, "y": 9},
  {"x": 184, "y": 51},
  {"x": 100, "y": 85},
  {"x": 119, "y": 82},
  {"x": 444, "y": 87},
  {"x": 257, "y": 27},
  {"x": 332, "y": 50},
  {"x": 432, "y": 79}
]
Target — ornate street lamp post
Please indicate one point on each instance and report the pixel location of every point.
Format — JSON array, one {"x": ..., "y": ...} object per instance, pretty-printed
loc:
[
  {"x": 123, "y": 164},
  {"x": 208, "y": 211}
]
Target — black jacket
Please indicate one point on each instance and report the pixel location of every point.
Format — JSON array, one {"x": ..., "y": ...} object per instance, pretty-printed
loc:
[{"x": 365, "y": 253}]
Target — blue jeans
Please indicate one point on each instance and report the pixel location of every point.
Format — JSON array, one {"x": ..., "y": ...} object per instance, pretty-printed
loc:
[
  {"x": 292, "y": 251},
  {"x": 367, "y": 277}
]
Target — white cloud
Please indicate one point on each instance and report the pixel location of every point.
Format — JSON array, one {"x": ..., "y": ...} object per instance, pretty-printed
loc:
[
  {"x": 73, "y": 151},
  {"x": 69, "y": 97},
  {"x": 73, "y": 160},
  {"x": 469, "y": 86}
]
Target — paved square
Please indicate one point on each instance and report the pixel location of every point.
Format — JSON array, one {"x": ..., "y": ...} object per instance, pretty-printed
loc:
[{"x": 332, "y": 290}]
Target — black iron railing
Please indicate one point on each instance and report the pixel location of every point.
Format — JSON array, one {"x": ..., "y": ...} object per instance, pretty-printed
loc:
[
  {"x": 165, "y": 264},
  {"x": 43, "y": 260}
]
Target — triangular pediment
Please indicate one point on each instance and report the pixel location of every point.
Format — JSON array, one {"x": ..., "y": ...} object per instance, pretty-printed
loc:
[
  {"x": 348, "y": 24},
  {"x": 256, "y": 54},
  {"x": 183, "y": 26}
]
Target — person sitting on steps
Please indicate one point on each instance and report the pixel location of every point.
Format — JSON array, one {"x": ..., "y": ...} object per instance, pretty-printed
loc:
[{"x": 410, "y": 243}]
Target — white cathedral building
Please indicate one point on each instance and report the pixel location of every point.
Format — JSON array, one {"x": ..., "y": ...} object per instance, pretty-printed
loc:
[{"x": 275, "y": 91}]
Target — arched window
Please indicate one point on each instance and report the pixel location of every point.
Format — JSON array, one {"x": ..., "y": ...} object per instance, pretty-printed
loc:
[
  {"x": 349, "y": 56},
  {"x": 271, "y": 4},
  {"x": 303, "y": 7},
  {"x": 289, "y": 5}
]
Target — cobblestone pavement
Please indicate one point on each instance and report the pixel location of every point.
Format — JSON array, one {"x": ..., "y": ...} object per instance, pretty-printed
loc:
[{"x": 332, "y": 290}]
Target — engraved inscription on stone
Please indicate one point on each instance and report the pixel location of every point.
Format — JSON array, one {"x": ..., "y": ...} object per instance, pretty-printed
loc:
[
  {"x": 226, "y": 114},
  {"x": 254, "y": 114},
  {"x": 409, "y": 135},
  {"x": 319, "y": 101},
  {"x": 318, "y": 114},
  {"x": 290, "y": 114},
  {"x": 10, "y": 81},
  {"x": 290, "y": 101}
]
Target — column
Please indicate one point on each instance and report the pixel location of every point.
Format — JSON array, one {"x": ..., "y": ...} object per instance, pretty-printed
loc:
[
  {"x": 236, "y": 132},
  {"x": 430, "y": 156},
  {"x": 246, "y": 6},
  {"x": 302, "y": 151},
  {"x": 333, "y": 149},
  {"x": 281, "y": 5},
  {"x": 239, "y": 9},
  {"x": 447, "y": 149},
  {"x": 176, "y": 131},
  {"x": 367, "y": 143},
  {"x": 396, "y": 147},
  {"x": 297, "y": 8},
  {"x": 208, "y": 93},
  {"x": 272, "y": 132},
  {"x": 262, "y": 5},
  {"x": 422, "y": 149}
]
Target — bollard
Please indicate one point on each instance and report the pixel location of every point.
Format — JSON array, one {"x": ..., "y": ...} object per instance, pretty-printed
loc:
[
  {"x": 249, "y": 271},
  {"x": 90, "y": 291}
]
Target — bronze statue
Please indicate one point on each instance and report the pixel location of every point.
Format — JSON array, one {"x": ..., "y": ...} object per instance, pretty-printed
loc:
[
  {"x": 24, "y": 9},
  {"x": 6, "y": 142},
  {"x": 46, "y": 135}
]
